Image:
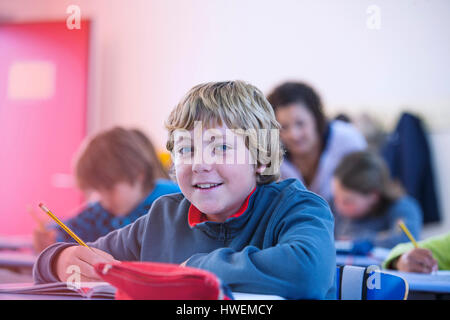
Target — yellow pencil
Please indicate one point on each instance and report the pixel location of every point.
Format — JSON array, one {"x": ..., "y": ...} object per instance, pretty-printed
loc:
[
  {"x": 62, "y": 225},
  {"x": 408, "y": 234}
]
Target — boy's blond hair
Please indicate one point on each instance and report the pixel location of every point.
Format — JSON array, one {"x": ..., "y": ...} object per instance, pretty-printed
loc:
[{"x": 244, "y": 109}]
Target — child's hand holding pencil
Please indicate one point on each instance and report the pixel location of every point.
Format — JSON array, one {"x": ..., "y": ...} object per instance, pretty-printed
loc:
[
  {"x": 418, "y": 259},
  {"x": 82, "y": 257}
]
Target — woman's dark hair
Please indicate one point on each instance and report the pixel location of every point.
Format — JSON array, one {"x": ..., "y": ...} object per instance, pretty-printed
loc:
[
  {"x": 297, "y": 92},
  {"x": 365, "y": 172}
]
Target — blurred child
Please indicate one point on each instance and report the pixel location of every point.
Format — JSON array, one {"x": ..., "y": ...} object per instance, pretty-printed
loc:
[
  {"x": 232, "y": 217},
  {"x": 121, "y": 168},
  {"x": 368, "y": 204},
  {"x": 432, "y": 254}
]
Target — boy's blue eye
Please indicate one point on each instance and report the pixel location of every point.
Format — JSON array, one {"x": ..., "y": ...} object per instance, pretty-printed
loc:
[
  {"x": 222, "y": 147},
  {"x": 185, "y": 150}
]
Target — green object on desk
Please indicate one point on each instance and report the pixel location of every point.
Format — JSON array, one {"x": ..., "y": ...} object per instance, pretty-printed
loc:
[{"x": 438, "y": 245}]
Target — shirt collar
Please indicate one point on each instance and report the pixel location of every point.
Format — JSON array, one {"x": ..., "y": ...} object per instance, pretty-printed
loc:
[{"x": 195, "y": 216}]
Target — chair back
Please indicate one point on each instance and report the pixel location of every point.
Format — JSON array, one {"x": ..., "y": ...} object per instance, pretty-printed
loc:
[{"x": 370, "y": 283}]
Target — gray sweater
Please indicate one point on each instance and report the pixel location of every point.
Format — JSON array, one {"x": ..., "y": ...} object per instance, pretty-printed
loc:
[{"x": 282, "y": 244}]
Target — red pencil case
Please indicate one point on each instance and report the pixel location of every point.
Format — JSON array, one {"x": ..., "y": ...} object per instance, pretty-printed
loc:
[{"x": 161, "y": 281}]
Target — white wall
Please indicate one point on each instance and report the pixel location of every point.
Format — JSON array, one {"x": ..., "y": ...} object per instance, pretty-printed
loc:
[
  {"x": 440, "y": 145},
  {"x": 148, "y": 53}
]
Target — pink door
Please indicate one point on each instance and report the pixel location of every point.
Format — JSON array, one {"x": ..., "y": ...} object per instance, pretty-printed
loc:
[{"x": 43, "y": 76}]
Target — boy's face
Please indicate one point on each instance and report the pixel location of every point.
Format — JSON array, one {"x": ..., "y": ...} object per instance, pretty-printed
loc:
[
  {"x": 121, "y": 198},
  {"x": 214, "y": 169}
]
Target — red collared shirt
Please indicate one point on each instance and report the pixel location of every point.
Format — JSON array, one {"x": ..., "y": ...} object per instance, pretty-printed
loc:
[{"x": 195, "y": 216}]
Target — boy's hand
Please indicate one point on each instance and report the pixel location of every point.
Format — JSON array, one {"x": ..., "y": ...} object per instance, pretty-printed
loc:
[
  {"x": 42, "y": 239},
  {"x": 416, "y": 260},
  {"x": 83, "y": 259}
]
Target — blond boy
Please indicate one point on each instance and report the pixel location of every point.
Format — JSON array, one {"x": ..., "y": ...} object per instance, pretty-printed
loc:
[{"x": 231, "y": 217}]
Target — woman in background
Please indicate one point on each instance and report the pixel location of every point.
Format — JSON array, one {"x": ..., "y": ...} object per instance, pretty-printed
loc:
[
  {"x": 368, "y": 204},
  {"x": 313, "y": 145},
  {"x": 121, "y": 168},
  {"x": 433, "y": 254}
]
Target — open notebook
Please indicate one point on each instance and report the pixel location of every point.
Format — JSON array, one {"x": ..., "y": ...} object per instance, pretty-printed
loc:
[
  {"x": 87, "y": 290},
  {"x": 93, "y": 290}
]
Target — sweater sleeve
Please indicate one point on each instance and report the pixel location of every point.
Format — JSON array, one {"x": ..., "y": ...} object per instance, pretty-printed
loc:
[
  {"x": 43, "y": 268},
  {"x": 123, "y": 244},
  {"x": 439, "y": 246},
  {"x": 299, "y": 265}
]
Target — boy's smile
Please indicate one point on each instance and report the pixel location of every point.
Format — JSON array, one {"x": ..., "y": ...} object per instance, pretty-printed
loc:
[
  {"x": 209, "y": 173},
  {"x": 206, "y": 186}
]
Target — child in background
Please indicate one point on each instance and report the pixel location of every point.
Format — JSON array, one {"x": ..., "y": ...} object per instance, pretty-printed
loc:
[
  {"x": 432, "y": 254},
  {"x": 121, "y": 168},
  {"x": 368, "y": 204},
  {"x": 232, "y": 217},
  {"x": 314, "y": 145}
]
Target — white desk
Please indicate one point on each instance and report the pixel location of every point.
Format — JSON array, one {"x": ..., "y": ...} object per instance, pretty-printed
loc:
[
  {"x": 7, "y": 296},
  {"x": 17, "y": 259},
  {"x": 97, "y": 290},
  {"x": 16, "y": 242},
  {"x": 254, "y": 296},
  {"x": 434, "y": 283},
  {"x": 237, "y": 296}
]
